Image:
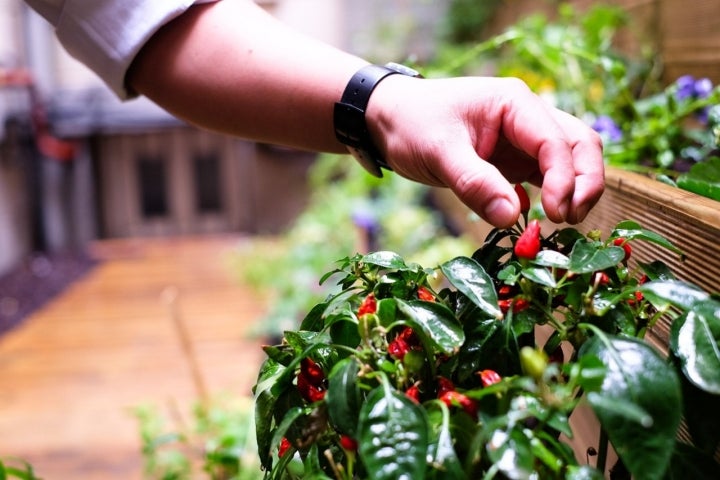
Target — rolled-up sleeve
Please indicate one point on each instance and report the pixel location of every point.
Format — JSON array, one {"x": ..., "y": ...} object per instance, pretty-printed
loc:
[{"x": 106, "y": 35}]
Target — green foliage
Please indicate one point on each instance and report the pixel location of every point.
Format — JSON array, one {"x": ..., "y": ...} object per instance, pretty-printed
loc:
[
  {"x": 452, "y": 382},
  {"x": 218, "y": 443},
  {"x": 466, "y": 19},
  {"x": 16, "y": 468},
  {"x": 349, "y": 209}
]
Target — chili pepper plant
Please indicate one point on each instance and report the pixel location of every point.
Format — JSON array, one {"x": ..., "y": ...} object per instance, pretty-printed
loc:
[{"x": 473, "y": 368}]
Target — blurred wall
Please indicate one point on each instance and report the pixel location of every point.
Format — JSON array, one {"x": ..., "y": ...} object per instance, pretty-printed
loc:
[{"x": 71, "y": 199}]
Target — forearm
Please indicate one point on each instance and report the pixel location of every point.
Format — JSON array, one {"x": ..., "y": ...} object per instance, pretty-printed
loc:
[{"x": 231, "y": 67}]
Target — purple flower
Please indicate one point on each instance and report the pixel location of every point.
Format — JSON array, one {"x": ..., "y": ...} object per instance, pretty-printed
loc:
[
  {"x": 685, "y": 87},
  {"x": 688, "y": 87},
  {"x": 703, "y": 88},
  {"x": 364, "y": 218},
  {"x": 607, "y": 127}
]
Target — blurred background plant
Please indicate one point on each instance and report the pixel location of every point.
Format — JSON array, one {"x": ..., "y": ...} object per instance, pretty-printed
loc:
[
  {"x": 217, "y": 443},
  {"x": 16, "y": 468},
  {"x": 349, "y": 211}
]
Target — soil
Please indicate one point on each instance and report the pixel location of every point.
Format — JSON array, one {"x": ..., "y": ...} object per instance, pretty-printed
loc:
[{"x": 36, "y": 281}]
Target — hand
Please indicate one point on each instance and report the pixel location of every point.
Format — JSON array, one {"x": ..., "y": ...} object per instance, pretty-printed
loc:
[{"x": 477, "y": 135}]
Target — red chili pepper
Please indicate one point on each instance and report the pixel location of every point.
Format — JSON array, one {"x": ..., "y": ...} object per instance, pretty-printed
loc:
[
  {"x": 413, "y": 393},
  {"x": 308, "y": 391},
  {"x": 520, "y": 304},
  {"x": 348, "y": 443},
  {"x": 489, "y": 377},
  {"x": 412, "y": 340},
  {"x": 444, "y": 385},
  {"x": 505, "y": 305},
  {"x": 528, "y": 244},
  {"x": 369, "y": 305},
  {"x": 454, "y": 398},
  {"x": 398, "y": 348},
  {"x": 283, "y": 447},
  {"x": 505, "y": 291},
  {"x": 639, "y": 297},
  {"x": 424, "y": 294},
  {"x": 602, "y": 278},
  {"x": 622, "y": 242},
  {"x": 312, "y": 372},
  {"x": 517, "y": 304},
  {"x": 523, "y": 196}
]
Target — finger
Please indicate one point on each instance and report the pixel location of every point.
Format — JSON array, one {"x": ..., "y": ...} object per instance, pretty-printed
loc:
[
  {"x": 530, "y": 125},
  {"x": 479, "y": 185},
  {"x": 588, "y": 165}
]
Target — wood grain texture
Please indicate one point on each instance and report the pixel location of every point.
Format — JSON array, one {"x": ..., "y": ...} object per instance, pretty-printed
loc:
[{"x": 72, "y": 373}]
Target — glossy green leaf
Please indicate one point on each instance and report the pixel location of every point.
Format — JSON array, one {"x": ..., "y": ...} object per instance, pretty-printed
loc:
[
  {"x": 343, "y": 396},
  {"x": 663, "y": 294},
  {"x": 288, "y": 419},
  {"x": 387, "y": 311},
  {"x": 385, "y": 259},
  {"x": 511, "y": 453},
  {"x": 344, "y": 331},
  {"x": 701, "y": 416},
  {"x": 313, "y": 321},
  {"x": 583, "y": 472},
  {"x": 552, "y": 258},
  {"x": 445, "y": 462},
  {"x": 695, "y": 341},
  {"x": 265, "y": 400},
  {"x": 703, "y": 179},
  {"x": 392, "y": 436},
  {"x": 313, "y": 467},
  {"x": 657, "y": 271},
  {"x": 639, "y": 403},
  {"x": 540, "y": 275},
  {"x": 587, "y": 257},
  {"x": 434, "y": 322},
  {"x": 631, "y": 230},
  {"x": 472, "y": 280}
]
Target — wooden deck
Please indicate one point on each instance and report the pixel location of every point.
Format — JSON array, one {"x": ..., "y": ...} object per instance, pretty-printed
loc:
[{"x": 72, "y": 372}]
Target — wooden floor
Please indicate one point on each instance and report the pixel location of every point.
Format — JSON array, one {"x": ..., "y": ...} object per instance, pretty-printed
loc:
[{"x": 71, "y": 374}]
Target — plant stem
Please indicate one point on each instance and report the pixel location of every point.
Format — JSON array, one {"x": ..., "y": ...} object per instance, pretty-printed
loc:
[{"x": 602, "y": 451}]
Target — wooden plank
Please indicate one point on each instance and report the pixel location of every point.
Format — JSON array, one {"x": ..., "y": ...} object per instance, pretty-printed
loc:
[{"x": 73, "y": 372}]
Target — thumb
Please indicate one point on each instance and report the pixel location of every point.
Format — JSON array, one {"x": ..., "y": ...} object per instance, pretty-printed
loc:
[{"x": 480, "y": 186}]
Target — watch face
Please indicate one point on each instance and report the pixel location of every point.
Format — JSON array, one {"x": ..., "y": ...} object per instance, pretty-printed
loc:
[{"x": 403, "y": 69}]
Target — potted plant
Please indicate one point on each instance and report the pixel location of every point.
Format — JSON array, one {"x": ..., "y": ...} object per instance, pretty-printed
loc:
[{"x": 473, "y": 368}]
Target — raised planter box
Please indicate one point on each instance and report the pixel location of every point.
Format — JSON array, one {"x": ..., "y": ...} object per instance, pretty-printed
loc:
[{"x": 688, "y": 220}]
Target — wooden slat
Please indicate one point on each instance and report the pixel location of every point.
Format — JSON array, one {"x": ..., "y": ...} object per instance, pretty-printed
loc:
[{"x": 73, "y": 371}]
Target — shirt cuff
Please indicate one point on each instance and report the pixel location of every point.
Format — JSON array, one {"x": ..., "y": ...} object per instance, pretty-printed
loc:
[{"x": 106, "y": 35}]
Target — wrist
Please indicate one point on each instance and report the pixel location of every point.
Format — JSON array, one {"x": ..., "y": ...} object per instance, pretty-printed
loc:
[{"x": 350, "y": 119}]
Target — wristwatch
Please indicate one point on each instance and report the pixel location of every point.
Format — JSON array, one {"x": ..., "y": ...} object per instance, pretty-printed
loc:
[{"x": 349, "y": 114}]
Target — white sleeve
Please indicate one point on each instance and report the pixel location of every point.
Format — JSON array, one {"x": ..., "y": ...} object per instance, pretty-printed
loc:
[{"x": 106, "y": 35}]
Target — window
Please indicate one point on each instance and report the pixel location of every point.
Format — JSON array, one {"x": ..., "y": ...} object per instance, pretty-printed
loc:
[
  {"x": 207, "y": 179},
  {"x": 152, "y": 176}
]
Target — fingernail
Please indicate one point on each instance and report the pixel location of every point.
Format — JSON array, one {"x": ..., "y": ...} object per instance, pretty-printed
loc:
[
  {"x": 563, "y": 210},
  {"x": 582, "y": 212},
  {"x": 499, "y": 212}
]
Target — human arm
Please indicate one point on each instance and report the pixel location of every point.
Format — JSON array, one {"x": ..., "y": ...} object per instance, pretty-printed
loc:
[{"x": 231, "y": 67}]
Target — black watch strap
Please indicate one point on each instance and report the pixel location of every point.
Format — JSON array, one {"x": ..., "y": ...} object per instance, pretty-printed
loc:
[{"x": 349, "y": 114}]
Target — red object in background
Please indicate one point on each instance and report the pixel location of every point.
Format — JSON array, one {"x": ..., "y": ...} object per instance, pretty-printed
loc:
[{"x": 47, "y": 144}]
